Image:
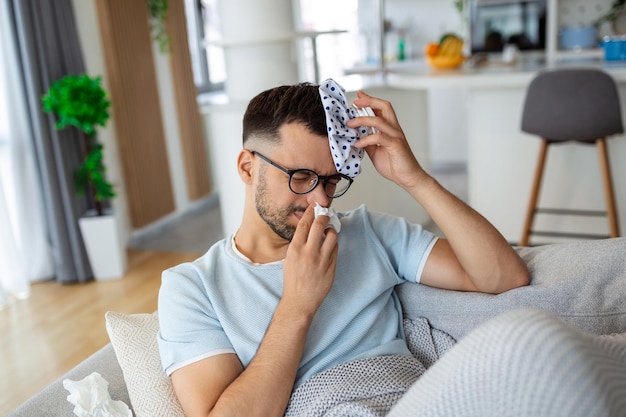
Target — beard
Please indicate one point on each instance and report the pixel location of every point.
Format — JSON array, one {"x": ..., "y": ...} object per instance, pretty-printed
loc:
[{"x": 275, "y": 218}]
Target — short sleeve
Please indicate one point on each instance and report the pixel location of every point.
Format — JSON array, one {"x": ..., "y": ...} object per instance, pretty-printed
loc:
[
  {"x": 407, "y": 245},
  {"x": 424, "y": 258},
  {"x": 189, "y": 329}
]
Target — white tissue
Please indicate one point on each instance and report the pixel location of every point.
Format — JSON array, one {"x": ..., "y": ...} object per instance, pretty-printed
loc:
[
  {"x": 333, "y": 220},
  {"x": 91, "y": 398}
]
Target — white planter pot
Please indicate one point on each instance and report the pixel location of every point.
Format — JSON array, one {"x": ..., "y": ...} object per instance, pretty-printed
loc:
[{"x": 105, "y": 251}]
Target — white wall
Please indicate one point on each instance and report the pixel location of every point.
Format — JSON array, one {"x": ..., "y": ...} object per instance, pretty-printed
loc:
[{"x": 448, "y": 126}]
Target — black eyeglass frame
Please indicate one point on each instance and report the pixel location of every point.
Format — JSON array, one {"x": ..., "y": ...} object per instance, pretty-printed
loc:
[{"x": 323, "y": 178}]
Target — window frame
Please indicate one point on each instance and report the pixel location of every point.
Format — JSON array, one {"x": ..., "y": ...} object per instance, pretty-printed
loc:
[{"x": 198, "y": 49}]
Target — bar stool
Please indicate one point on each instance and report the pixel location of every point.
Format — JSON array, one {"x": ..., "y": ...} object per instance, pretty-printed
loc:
[{"x": 564, "y": 105}]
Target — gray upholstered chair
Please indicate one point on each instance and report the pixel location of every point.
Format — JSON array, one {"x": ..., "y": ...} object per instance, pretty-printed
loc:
[{"x": 575, "y": 104}]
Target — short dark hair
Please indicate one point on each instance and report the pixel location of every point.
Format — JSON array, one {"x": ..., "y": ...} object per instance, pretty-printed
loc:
[{"x": 273, "y": 108}]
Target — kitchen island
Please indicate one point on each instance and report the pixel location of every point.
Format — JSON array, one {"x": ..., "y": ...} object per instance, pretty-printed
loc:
[{"x": 501, "y": 158}]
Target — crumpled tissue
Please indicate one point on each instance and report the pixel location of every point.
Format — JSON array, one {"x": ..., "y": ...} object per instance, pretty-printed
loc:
[
  {"x": 91, "y": 398},
  {"x": 333, "y": 220}
]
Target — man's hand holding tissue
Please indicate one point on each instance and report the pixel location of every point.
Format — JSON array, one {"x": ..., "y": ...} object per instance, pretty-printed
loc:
[{"x": 309, "y": 267}]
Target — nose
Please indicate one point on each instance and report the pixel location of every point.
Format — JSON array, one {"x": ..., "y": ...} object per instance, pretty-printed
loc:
[{"x": 318, "y": 195}]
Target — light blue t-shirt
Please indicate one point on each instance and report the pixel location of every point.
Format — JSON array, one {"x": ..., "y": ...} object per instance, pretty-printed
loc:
[{"x": 222, "y": 303}]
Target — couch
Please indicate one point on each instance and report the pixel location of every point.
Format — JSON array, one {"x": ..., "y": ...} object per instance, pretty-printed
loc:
[{"x": 581, "y": 283}]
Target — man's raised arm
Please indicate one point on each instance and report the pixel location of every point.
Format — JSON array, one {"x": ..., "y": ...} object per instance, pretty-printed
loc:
[{"x": 474, "y": 256}]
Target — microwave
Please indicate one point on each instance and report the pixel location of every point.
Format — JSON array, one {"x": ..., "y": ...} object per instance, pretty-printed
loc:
[{"x": 496, "y": 23}]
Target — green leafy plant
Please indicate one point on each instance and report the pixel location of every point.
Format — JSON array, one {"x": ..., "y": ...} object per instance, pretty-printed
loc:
[
  {"x": 80, "y": 101},
  {"x": 157, "y": 10},
  {"x": 460, "y": 6},
  {"x": 617, "y": 7}
]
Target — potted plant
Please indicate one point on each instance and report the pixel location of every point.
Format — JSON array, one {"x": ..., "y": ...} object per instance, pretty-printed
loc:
[{"x": 79, "y": 101}]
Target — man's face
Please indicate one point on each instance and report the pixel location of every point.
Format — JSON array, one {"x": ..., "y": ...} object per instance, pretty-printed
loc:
[{"x": 276, "y": 204}]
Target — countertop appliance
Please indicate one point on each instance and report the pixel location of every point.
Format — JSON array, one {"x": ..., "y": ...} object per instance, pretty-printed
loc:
[{"x": 496, "y": 23}]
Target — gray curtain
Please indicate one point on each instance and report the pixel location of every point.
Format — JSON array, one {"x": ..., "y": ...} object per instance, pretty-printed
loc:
[{"x": 49, "y": 49}]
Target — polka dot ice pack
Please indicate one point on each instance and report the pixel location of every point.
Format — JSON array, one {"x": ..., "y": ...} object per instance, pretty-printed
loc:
[{"x": 341, "y": 138}]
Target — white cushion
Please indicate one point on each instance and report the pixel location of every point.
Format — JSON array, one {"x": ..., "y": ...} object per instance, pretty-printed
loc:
[{"x": 133, "y": 337}]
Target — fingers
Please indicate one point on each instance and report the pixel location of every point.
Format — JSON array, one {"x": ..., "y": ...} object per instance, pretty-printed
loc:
[
  {"x": 330, "y": 248},
  {"x": 385, "y": 120},
  {"x": 312, "y": 230},
  {"x": 375, "y": 139},
  {"x": 303, "y": 227},
  {"x": 385, "y": 135},
  {"x": 382, "y": 108},
  {"x": 313, "y": 249}
]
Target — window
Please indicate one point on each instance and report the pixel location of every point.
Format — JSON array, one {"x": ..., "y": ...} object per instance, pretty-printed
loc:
[
  {"x": 328, "y": 43},
  {"x": 208, "y": 63},
  {"x": 336, "y": 47}
]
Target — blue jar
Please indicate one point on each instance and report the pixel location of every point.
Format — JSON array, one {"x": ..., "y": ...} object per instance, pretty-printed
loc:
[
  {"x": 579, "y": 37},
  {"x": 614, "y": 48}
]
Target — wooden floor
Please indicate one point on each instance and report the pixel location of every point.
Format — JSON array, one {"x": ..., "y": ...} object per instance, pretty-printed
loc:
[{"x": 58, "y": 326}]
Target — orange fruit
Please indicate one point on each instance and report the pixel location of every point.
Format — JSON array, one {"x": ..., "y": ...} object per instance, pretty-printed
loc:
[{"x": 431, "y": 49}]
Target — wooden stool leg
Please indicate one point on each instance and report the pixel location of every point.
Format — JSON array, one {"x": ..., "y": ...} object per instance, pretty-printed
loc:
[
  {"x": 607, "y": 181},
  {"x": 534, "y": 194}
]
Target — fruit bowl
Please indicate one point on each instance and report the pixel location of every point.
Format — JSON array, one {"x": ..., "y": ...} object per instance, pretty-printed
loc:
[{"x": 445, "y": 61}]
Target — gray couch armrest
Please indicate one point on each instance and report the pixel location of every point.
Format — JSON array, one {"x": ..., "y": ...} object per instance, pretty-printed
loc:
[
  {"x": 583, "y": 283},
  {"x": 52, "y": 400}
]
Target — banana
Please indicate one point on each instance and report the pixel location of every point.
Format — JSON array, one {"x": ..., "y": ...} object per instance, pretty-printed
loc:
[
  {"x": 458, "y": 47},
  {"x": 446, "y": 46},
  {"x": 451, "y": 46}
]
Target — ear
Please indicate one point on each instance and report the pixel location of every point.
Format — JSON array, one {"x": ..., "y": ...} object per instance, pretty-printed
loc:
[{"x": 245, "y": 165}]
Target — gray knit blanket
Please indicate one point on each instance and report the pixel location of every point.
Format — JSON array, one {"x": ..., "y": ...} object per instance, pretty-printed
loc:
[
  {"x": 370, "y": 387},
  {"x": 524, "y": 363}
]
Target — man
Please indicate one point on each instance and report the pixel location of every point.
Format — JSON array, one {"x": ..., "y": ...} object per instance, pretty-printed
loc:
[{"x": 286, "y": 296}]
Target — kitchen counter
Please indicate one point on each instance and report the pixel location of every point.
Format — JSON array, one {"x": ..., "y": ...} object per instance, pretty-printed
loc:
[{"x": 418, "y": 75}]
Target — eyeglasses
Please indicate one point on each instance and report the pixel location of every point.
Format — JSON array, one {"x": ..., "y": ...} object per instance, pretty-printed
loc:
[{"x": 303, "y": 181}]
